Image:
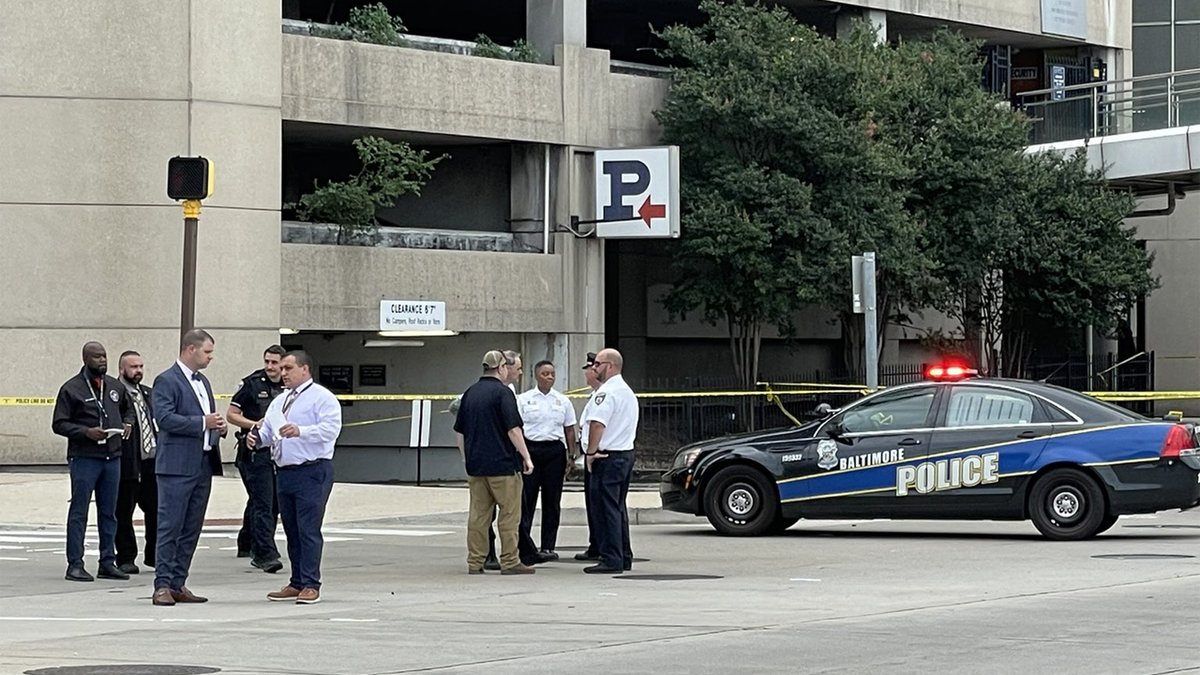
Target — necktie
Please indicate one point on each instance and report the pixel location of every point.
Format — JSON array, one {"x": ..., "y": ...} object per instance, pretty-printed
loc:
[
  {"x": 144, "y": 427},
  {"x": 287, "y": 402}
]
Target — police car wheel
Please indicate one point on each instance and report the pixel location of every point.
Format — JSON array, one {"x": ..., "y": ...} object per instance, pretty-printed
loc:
[
  {"x": 741, "y": 502},
  {"x": 1067, "y": 504},
  {"x": 782, "y": 523}
]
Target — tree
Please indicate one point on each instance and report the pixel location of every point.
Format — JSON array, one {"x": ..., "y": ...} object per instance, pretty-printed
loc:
[{"x": 389, "y": 170}]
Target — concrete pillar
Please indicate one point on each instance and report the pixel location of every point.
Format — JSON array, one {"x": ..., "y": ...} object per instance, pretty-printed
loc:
[
  {"x": 527, "y": 195},
  {"x": 875, "y": 17},
  {"x": 549, "y": 23}
]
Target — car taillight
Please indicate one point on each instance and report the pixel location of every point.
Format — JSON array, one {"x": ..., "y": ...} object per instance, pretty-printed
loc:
[{"x": 1179, "y": 441}]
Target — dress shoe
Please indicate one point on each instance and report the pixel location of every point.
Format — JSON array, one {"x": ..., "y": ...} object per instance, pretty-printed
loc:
[
  {"x": 77, "y": 573},
  {"x": 519, "y": 568},
  {"x": 287, "y": 593},
  {"x": 491, "y": 564},
  {"x": 474, "y": 570},
  {"x": 602, "y": 569},
  {"x": 111, "y": 571},
  {"x": 308, "y": 596},
  {"x": 184, "y": 595},
  {"x": 546, "y": 555},
  {"x": 129, "y": 568},
  {"x": 269, "y": 566},
  {"x": 585, "y": 556},
  {"x": 243, "y": 554},
  {"x": 163, "y": 597}
]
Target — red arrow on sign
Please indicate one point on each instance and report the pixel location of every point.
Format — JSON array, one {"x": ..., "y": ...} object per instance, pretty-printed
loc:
[{"x": 650, "y": 211}]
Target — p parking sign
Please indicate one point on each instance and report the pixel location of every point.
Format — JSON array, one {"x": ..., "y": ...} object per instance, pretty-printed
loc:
[{"x": 637, "y": 193}]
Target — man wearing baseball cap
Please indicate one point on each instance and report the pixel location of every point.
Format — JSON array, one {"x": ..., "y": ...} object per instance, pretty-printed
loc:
[
  {"x": 488, "y": 433},
  {"x": 589, "y": 375}
]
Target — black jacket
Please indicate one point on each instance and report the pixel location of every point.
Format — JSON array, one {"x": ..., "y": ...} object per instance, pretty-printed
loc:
[
  {"x": 131, "y": 453},
  {"x": 76, "y": 410}
]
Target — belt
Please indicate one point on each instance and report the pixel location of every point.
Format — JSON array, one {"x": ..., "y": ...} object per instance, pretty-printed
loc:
[{"x": 310, "y": 462}]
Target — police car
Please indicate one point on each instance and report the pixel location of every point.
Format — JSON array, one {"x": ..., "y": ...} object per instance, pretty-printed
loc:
[{"x": 953, "y": 447}]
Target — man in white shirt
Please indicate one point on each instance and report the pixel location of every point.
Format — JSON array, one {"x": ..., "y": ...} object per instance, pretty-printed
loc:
[
  {"x": 301, "y": 426},
  {"x": 549, "y": 428},
  {"x": 612, "y": 429},
  {"x": 589, "y": 375}
]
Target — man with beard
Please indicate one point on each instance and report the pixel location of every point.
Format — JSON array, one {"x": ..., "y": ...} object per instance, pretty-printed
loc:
[
  {"x": 92, "y": 411},
  {"x": 139, "y": 488},
  {"x": 256, "y": 539}
]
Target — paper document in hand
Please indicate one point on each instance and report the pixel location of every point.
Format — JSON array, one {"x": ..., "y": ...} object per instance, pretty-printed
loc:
[
  {"x": 114, "y": 432},
  {"x": 277, "y": 421}
]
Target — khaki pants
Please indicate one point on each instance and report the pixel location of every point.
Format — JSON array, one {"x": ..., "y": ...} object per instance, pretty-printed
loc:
[{"x": 487, "y": 492}]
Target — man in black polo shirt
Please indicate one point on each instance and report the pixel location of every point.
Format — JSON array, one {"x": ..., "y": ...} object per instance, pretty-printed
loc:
[{"x": 488, "y": 432}]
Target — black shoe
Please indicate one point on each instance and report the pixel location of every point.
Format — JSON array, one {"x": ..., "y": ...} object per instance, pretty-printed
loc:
[
  {"x": 243, "y": 554},
  {"x": 628, "y": 566},
  {"x": 602, "y": 569},
  {"x": 268, "y": 566},
  {"x": 530, "y": 562},
  {"x": 110, "y": 571},
  {"x": 77, "y": 573},
  {"x": 491, "y": 564},
  {"x": 546, "y": 555},
  {"x": 129, "y": 568},
  {"x": 587, "y": 555}
]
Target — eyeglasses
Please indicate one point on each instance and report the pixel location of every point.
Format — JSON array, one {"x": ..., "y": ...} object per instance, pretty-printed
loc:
[{"x": 601, "y": 363}]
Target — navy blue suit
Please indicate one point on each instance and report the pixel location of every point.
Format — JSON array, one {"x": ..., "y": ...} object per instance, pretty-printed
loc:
[{"x": 184, "y": 470}]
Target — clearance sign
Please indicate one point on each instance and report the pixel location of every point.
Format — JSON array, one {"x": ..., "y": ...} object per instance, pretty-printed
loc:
[{"x": 637, "y": 193}]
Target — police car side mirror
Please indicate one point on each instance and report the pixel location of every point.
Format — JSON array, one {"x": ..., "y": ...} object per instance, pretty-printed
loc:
[{"x": 825, "y": 410}]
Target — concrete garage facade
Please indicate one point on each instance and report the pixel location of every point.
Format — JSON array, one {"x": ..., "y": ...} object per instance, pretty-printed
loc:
[{"x": 96, "y": 96}]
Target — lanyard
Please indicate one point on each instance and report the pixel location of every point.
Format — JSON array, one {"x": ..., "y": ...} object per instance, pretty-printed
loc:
[
  {"x": 98, "y": 398},
  {"x": 290, "y": 400}
]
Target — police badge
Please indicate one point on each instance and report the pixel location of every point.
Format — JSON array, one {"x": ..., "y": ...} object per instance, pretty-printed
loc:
[
  {"x": 112, "y": 394},
  {"x": 827, "y": 454}
]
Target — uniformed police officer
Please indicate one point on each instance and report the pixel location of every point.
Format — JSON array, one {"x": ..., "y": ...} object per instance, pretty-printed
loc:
[
  {"x": 247, "y": 408},
  {"x": 612, "y": 428},
  {"x": 589, "y": 376},
  {"x": 549, "y": 432}
]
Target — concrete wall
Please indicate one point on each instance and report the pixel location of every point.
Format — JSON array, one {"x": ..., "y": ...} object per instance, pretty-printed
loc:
[
  {"x": 96, "y": 97},
  {"x": 1109, "y": 21},
  {"x": 1172, "y": 327},
  {"x": 576, "y": 101}
]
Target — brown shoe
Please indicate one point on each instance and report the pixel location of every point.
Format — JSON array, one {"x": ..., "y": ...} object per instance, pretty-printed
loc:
[
  {"x": 184, "y": 595},
  {"x": 308, "y": 596},
  {"x": 284, "y": 594},
  {"x": 163, "y": 597},
  {"x": 519, "y": 568},
  {"x": 474, "y": 570}
]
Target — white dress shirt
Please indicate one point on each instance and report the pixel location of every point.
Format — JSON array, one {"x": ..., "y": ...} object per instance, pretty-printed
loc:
[
  {"x": 201, "y": 393},
  {"x": 546, "y": 415},
  {"x": 616, "y": 407},
  {"x": 315, "y": 411}
]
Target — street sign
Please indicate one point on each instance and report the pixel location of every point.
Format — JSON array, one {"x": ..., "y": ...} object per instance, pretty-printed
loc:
[{"x": 637, "y": 193}]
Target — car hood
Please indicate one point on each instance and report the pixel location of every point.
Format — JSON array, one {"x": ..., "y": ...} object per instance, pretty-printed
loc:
[{"x": 753, "y": 437}]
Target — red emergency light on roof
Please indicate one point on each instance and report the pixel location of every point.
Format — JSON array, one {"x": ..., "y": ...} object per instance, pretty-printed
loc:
[{"x": 944, "y": 373}]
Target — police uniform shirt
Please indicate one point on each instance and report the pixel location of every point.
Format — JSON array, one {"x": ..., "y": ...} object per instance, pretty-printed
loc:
[
  {"x": 255, "y": 393},
  {"x": 616, "y": 407},
  {"x": 545, "y": 415}
]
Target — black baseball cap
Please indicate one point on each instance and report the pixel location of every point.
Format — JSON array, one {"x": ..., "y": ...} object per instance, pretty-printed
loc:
[{"x": 591, "y": 359}]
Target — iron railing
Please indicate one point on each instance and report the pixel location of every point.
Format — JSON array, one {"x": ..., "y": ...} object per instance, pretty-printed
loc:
[{"x": 1112, "y": 107}]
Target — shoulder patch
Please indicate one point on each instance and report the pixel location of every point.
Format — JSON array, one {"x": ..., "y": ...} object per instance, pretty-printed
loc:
[
  {"x": 600, "y": 398},
  {"x": 240, "y": 385},
  {"x": 114, "y": 395}
]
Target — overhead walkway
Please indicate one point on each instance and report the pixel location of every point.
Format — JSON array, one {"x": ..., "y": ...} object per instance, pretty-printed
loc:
[{"x": 1145, "y": 131}]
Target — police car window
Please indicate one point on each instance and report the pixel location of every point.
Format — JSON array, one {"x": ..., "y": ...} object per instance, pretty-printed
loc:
[
  {"x": 979, "y": 407},
  {"x": 1056, "y": 414},
  {"x": 901, "y": 410}
]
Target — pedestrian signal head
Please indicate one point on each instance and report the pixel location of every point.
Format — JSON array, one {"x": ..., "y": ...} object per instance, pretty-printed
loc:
[{"x": 189, "y": 178}]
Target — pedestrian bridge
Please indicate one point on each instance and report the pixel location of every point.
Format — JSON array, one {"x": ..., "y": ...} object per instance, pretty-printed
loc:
[{"x": 1145, "y": 131}]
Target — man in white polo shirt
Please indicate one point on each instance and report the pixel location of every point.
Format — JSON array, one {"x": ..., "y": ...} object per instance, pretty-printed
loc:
[{"x": 612, "y": 428}]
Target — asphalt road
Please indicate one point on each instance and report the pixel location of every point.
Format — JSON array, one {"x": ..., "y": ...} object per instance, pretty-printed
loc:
[{"x": 825, "y": 597}]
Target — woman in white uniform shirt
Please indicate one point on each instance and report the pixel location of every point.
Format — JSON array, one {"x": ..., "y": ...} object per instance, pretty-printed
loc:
[{"x": 549, "y": 427}]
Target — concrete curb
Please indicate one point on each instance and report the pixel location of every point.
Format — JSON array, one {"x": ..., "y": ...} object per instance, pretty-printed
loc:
[{"x": 570, "y": 516}]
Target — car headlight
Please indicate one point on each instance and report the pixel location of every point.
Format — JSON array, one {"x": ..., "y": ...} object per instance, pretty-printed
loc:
[{"x": 685, "y": 459}]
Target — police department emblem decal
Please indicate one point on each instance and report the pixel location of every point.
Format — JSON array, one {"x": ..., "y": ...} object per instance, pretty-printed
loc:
[
  {"x": 827, "y": 454},
  {"x": 600, "y": 398},
  {"x": 114, "y": 395}
]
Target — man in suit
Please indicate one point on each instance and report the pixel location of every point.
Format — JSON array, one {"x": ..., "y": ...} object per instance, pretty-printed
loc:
[
  {"x": 138, "y": 485},
  {"x": 187, "y": 458}
]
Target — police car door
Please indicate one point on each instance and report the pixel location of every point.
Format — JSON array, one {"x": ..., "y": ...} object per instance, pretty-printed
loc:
[
  {"x": 858, "y": 450},
  {"x": 988, "y": 429}
]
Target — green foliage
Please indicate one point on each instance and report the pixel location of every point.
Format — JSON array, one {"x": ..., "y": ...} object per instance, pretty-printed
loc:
[
  {"x": 520, "y": 51},
  {"x": 799, "y": 151},
  {"x": 389, "y": 170},
  {"x": 371, "y": 23}
]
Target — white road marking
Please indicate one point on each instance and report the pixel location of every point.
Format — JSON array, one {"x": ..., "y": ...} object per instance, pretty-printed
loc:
[
  {"x": 12, "y": 548},
  {"x": 356, "y": 620},
  {"x": 392, "y": 533},
  {"x": 802, "y": 579},
  {"x": 8, "y": 558}
]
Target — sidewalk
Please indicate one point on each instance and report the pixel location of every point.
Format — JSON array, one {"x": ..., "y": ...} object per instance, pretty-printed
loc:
[{"x": 41, "y": 498}]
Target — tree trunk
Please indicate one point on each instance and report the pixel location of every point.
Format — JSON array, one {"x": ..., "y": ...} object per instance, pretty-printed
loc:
[{"x": 745, "y": 344}]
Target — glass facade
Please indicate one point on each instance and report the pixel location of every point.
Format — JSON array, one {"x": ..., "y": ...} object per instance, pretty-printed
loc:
[{"x": 1166, "y": 39}]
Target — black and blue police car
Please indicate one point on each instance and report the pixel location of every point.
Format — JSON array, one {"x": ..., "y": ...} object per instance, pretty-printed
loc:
[{"x": 955, "y": 446}]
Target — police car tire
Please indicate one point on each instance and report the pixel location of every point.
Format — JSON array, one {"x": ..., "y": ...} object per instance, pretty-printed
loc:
[
  {"x": 1107, "y": 523},
  {"x": 782, "y": 523},
  {"x": 1067, "y": 505},
  {"x": 741, "y": 502}
]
